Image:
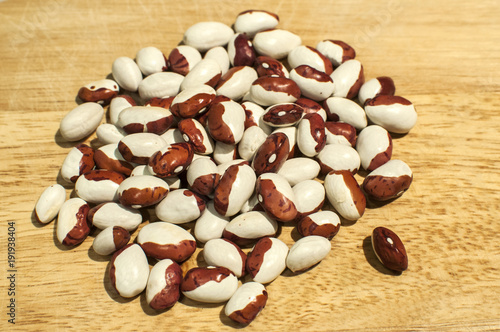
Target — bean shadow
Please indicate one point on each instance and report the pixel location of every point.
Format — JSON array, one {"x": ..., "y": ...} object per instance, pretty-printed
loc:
[
  {"x": 228, "y": 321},
  {"x": 373, "y": 260},
  {"x": 112, "y": 293}
]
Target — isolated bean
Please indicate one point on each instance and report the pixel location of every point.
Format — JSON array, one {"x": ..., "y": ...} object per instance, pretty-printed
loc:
[
  {"x": 79, "y": 160},
  {"x": 345, "y": 195},
  {"x": 171, "y": 160},
  {"x": 205, "y": 35},
  {"x": 382, "y": 85},
  {"x": 246, "y": 303},
  {"x": 98, "y": 186},
  {"x": 272, "y": 154},
  {"x": 81, "y": 121},
  {"x": 322, "y": 223},
  {"x": 345, "y": 110},
  {"x": 276, "y": 197},
  {"x": 249, "y": 227},
  {"x": 111, "y": 239},
  {"x": 49, "y": 203},
  {"x": 271, "y": 90},
  {"x": 222, "y": 252},
  {"x": 72, "y": 227},
  {"x": 296, "y": 170},
  {"x": 276, "y": 43},
  {"x": 267, "y": 260},
  {"x": 313, "y": 83},
  {"x": 339, "y": 157},
  {"x": 336, "y": 51},
  {"x": 240, "y": 50},
  {"x": 374, "y": 146},
  {"x": 160, "y": 85},
  {"x": 183, "y": 58},
  {"x": 180, "y": 206},
  {"x": 252, "y": 21},
  {"x": 118, "y": 104},
  {"x": 207, "y": 71},
  {"x": 307, "y": 252},
  {"x": 145, "y": 119},
  {"x": 309, "y": 197},
  {"x": 108, "y": 157},
  {"x": 162, "y": 240},
  {"x": 100, "y": 92},
  {"x": 307, "y": 55},
  {"x": 210, "y": 224},
  {"x": 388, "y": 181},
  {"x": 126, "y": 73},
  {"x": 108, "y": 133},
  {"x": 129, "y": 271},
  {"x": 348, "y": 79},
  {"x": 141, "y": 191},
  {"x": 150, "y": 60},
  {"x": 236, "y": 82},
  {"x": 209, "y": 284},
  {"x": 163, "y": 288},
  {"x": 395, "y": 114},
  {"x": 111, "y": 214},
  {"x": 139, "y": 147},
  {"x": 311, "y": 136},
  {"x": 389, "y": 249}
]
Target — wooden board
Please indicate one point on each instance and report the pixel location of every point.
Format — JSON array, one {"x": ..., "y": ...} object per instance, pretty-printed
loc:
[{"x": 444, "y": 57}]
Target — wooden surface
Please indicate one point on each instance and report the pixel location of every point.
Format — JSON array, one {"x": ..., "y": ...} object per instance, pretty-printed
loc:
[{"x": 443, "y": 56}]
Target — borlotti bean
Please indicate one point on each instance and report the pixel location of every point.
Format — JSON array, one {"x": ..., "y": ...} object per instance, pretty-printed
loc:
[
  {"x": 345, "y": 110},
  {"x": 348, "y": 79},
  {"x": 112, "y": 214},
  {"x": 129, "y": 270},
  {"x": 338, "y": 157},
  {"x": 374, "y": 146},
  {"x": 272, "y": 90},
  {"x": 145, "y": 119},
  {"x": 313, "y": 83},
  {"x": 249, "y": 227},
  {"x": 235, "y": 188},
  {"x": 276, "y": 197},
  {"x": 396, "y": 114},
  {"x": 226, "y": 121},
  {"x": 389, "y": 249},
  {"x": 345, "y": 195},
  {"x": 110, "y": 240},
  {"x": 108, "y": 157},
  {"x": 276, "y": 43},
  {"x": 207, "y": 71},
  {"x": 267, "y": 260},
  {"x": 299, "y": 169},
  {"x": 118, "y": 104},
  {"x": 141, "y": 191},
  {"x": 222, "y": 252},
  {"x": 252, "y": 139},
  {"x": 72, "y": 227},
  {"x": 209, "y": 284},
  {"x": 126, "y": 73},
  {"x": 340, "y": 133},
  {"x": 246, "y": 303},
  {"x": 193, "y": 132},
  {"x": 282, "y": 115},
  {"x": 267, "y": 66},
  {"x": 180, "y": 206},
  {"x": 307, "y": 55},
  {"x": 183, "y": 58},
  {"x": 240, "y": 50},
  {"x": 210, "y": 224},
  {"x": 307, "y": 252},
  {"x": 253, "y": 116},
  {"x": 336, "y": 51},
  {"x": 205, "y": 35},
  {"x": 139, "y": 147},
  {"x": 163, "y": 288},
  {"x": 309, "y": 197},
  {"x": 49, "y": 203},
  {"x": 81, "y": 121},
  {"x": 171, "y": 160},
  {"x": 79, "y": 160},
  {"x": 322, "y": 223},
  {"x": 151, "y": 60},
  {"x": 108, "y": 133},
  {"x": 310, "y": 106},
  {"x": 236, "y": 82},
  {"x": 388, "y": 181},
  {"x": 203, "y": 176},
  {"x": 192, "y": 102},
  {"x": 98, "y": 186},
  {"x": 162, "y": 240},
  {"x": 382, "y": 85},
  {"x": 311, "y": 135},
  {"x": 252, "y": 21},
  {"x": 219, "y": 54},
  {"x": 160, "y": 85},
  {"x": 100, "y": 92}
]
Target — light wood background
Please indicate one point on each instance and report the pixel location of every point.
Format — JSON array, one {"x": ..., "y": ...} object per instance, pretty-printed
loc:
[{"x": 443, "y": 56}]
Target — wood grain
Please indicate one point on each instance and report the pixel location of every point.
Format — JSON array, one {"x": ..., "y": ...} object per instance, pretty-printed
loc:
[{"x": 444, "y": 57}]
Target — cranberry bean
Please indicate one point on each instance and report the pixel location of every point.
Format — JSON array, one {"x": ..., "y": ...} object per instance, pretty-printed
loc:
[
  {"x": 141, "y": 191},
  {"x": 276, "y": 197},
  {"x": 163, "y": 288},
  {"x": 252, "y": 21},
  {"x": 311, "y": 136},
  {"x": 147, "y": 119},
  {"x": 151, "y": 60},
  {"x": 374, "y": 146},
  {"x": 183, "y": 58},
  {"x": 272, "y": 154},
  {"x": 72, "y": 227},
  {"x": 345, "y": 110},
  {"x": 180, "y": 206},
  {"x": 339, "y": 157},
  {"x": 81, "y": 121},
  {"x": 209, "y": 284},
  {"x": 203, "y": 176},
  {"x": 222, "y": 252},
  {"x": 348, "y": 79},
  {"x": 336, "y": 51},
  {"x": 307, "y": 252},
  {"x": 80, "y": 160},
  {"x": 382, "y": 85},
  {"x": 99, "y": 186},
  {"x": 110, "y": 240},
  {"x": 162, "y": 240},
  {"x": 240, "y": 50},
  {"x": 267, "y": 66},
  {"x": 100, "y": 92},
  {"x": 111, "y": 214},
  {"x": 139, "y": 147},
  {"x": 394, "y": 113},
  {"x": 205, "y": 35},
  {"x": 249, "y": 227},
  {"x": 267, "y": 260},
  {"x": 388, "y": 181},
  {"x": 276, "y": 43},
  {"x": 345, "y": 195},
  {"x": 171, "y": 160},
  {"x": 389, "y": 249},
  {"x": 126, "y": 73},
  {"x": 246, "y": 303},
  {"x": 323, "y": 223},
  {"x": 271, "y": 90},
  {"x": 108, "y": 157},
  {"x": 309, "y": 197},
  {"x": 160, "y": 85},
  {"x": 307, "y": 55},
  {"x": 48, "y": 205},
  {"x": 129, "y": 270}
]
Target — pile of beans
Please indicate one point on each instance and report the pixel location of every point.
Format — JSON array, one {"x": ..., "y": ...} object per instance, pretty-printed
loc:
[{"x": 240, "y": 129}]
